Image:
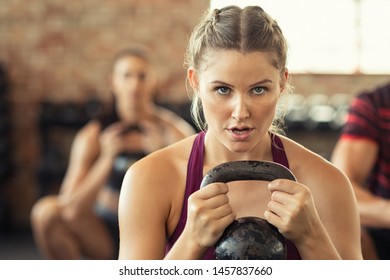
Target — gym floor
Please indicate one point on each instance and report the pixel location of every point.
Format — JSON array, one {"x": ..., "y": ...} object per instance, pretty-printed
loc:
[{"x": 18, "y": 246}]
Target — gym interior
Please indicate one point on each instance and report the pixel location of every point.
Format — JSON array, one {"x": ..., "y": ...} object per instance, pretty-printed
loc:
[{"x": 54, "y": 57}]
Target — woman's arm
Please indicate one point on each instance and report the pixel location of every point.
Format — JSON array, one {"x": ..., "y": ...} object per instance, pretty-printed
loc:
[
  {"x": 336, "y": 205},
  {"x": 319, "y": 212},
  {"x": 144, "y": 208},
  {"x": 87, "y": 171}
]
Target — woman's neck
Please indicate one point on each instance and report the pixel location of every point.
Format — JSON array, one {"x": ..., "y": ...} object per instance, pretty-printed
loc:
[
  {"x": 136, "y": 114},
  {"x": 216, "y": 152}
]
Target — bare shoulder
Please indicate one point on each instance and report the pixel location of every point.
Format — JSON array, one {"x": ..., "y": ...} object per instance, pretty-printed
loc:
[
  {"x": 166, "y": 166},
  {"x": 86, "y": 141},
  {"x": 312, "y": 169},
  {"x": 158, "y": 181},
  {"x": 88, "y": 133},
  {"x": 174, "y": 121}
]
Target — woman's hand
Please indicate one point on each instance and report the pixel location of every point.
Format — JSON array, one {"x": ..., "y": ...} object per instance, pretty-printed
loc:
[
  {"x": 292, "y": 210},
  {"x": 209, "y": 213}
]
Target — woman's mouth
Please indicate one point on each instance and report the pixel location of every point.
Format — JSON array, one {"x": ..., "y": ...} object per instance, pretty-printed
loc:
[{"x": 240, "y": 133}]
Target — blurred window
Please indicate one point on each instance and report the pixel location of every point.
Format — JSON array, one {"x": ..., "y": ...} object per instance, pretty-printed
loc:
[{"x": 331, "y": 36}]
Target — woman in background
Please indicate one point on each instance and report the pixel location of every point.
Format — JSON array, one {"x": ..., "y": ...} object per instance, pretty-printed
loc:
[{"x": 82, "y": 221}]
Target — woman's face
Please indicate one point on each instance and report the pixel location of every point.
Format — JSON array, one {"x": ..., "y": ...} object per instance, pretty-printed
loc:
[
  {"x": 133, "y": 82},
  {"x": 239, "y": 93}
]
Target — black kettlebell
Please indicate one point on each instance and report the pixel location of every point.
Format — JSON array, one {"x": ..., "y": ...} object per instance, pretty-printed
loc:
[{"x": 249, "y": 238}]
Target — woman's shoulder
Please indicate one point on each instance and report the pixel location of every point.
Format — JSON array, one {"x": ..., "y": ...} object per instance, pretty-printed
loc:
[
  {"x": 309, "y": 166},
  {"x": 161, "y": 173},
  {"x": 327, "y": 183},
  {"x": 88, "y": 134},
  {"x": 295, "y": 150},
  {"x": 166, "y": 162},
  {"x": 90, "y": 129},
  {"x": 85, "y": 145},
  {"x": 174, "y": 121}
]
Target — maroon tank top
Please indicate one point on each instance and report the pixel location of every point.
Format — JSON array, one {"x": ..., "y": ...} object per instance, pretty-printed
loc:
[{"x": 194, "y": 179}]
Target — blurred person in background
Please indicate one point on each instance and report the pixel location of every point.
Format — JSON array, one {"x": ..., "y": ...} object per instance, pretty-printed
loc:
[
  {"x": 82, "y": 220},
  {"x": 363, "y": 153}
]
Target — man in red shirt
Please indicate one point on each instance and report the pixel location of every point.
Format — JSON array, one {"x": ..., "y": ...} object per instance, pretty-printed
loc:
[{"x": 363, "y": 153}]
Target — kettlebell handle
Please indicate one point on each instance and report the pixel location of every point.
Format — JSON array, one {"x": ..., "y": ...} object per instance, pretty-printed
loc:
[
  {"x": 258, "y": 239},
  {"x": 247, "y": 170}
]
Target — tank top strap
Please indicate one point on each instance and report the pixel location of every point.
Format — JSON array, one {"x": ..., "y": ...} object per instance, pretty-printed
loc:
[
  {"x": 193, "y": 181},
  {"x": 194, "y": 168},
  {"x": 279, "y": 156},
  {"x": 278, "y": 153}
]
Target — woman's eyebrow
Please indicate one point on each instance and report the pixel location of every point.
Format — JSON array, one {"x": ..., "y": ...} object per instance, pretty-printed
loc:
[
  {"x": 221, "y": 83},
  {"x": 265, "y": 81}
]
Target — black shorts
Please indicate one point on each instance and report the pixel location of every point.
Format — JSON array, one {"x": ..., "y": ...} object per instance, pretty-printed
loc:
[
  {"x": 381, "y": 238},
  {"x": 111, "y": 221}
]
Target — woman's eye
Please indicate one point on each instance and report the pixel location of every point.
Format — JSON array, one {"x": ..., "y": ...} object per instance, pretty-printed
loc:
[
  {"x": 223, "y": 90},
  {"x": 258, "y": 90}
]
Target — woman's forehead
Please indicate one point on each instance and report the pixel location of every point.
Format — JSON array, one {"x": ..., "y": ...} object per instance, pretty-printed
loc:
[
  {"x": 130, "y": 62},
  {"x": 231, "y": 62}
]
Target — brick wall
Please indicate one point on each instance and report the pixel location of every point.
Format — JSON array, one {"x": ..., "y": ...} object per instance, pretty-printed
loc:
[{"x": 59, "y": 50}]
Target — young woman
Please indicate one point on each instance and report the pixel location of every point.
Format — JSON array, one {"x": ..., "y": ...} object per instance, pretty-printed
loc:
[
  {"x": 82, "y": 221},
  {"x": 237, "y": 69}
]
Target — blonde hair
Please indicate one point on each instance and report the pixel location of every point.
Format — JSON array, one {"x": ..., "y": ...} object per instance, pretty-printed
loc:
[{"x": 246, "y": 30}]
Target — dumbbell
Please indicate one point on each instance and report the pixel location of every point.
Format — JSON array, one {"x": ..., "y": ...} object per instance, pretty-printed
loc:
[
  {"x": 320, "y": 114},
  {"x": 249, "y": 238},
  {"x": 296, "y": 114},
  {"x": 340, "y": 102}
]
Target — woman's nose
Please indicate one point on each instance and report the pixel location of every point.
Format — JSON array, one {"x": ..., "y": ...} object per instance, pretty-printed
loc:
[
  {"x": 134, "y": 82},
  {"x": 240, "y": 108}
]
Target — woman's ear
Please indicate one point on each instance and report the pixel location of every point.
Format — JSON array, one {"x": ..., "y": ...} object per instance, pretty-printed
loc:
[
  {"x": 284, "y": 80},
  {"x": 193, "y": 79}
]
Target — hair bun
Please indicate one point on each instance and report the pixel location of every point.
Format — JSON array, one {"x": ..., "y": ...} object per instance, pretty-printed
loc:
[{"x": 215, "y": 16}]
